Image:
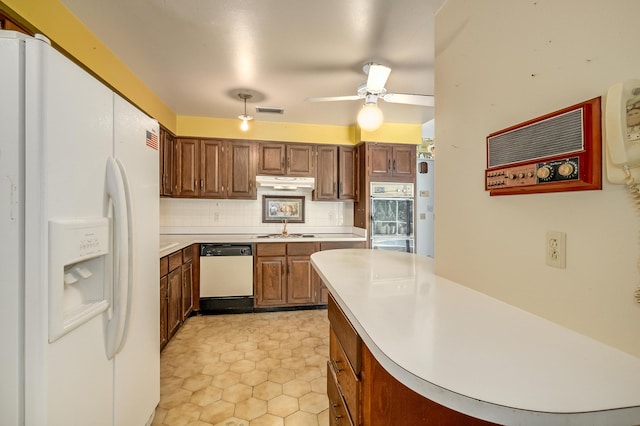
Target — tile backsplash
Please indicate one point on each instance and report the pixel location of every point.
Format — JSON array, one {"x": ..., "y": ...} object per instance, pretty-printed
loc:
[{"x": 239, "y": 216}]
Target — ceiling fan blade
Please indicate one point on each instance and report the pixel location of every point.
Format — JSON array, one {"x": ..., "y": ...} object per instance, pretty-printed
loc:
[
  {"x": 402, "y": 98},
  {"x": 334, "y": 98},
  {"x": 378, "y": 75}
]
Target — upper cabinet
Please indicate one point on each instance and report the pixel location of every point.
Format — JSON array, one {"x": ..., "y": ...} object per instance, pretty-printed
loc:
[
  {"x": 336, "y": 177},
  {"x": 394, "y": 161},
  {"x": 285, "y": 159},
  {"x": 167, "y": 152},
  {"x": 214, "y": 168}
]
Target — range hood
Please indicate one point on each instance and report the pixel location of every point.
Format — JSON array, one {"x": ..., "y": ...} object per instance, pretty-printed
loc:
[{"x": 285, "y": 183}]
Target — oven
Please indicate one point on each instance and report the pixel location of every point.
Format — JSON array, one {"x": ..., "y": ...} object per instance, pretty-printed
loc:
[{"x": 391, "y": 226}]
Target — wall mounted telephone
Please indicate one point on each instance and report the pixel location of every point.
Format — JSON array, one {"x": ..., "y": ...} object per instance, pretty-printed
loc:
[
  {"x": 622, "y": 136},
  {"x": 622, "y": 131}
]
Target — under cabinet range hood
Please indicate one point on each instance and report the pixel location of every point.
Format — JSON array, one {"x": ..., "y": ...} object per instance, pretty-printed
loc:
[{"x": 285, "y": 183}]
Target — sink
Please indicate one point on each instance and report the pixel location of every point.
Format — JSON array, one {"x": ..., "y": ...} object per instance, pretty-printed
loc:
[{"x": 285, "y": 236}]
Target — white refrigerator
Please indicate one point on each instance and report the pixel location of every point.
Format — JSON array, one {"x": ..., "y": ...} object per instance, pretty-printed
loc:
[{"x": 79, "y": 245}]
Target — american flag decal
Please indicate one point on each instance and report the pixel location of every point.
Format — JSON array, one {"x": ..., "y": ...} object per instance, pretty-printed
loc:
[{"x": 152, "y": 140}]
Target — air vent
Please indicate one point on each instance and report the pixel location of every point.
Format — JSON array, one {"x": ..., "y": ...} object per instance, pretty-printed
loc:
[{"x": 269, "y": 110}]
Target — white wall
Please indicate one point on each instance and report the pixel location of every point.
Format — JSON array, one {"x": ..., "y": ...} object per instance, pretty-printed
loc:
[
  {"x": 502, "y": 62},
  {"x": 183, "y": 215}
]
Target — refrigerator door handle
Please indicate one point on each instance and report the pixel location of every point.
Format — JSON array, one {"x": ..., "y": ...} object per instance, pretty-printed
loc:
[{"x": 115, "y": 190}]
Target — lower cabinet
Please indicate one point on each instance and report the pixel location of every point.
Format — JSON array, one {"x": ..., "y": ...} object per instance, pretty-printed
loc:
[
  {"x": 284, "y": 275},
  {"x": 362, "y": 393},
  {"x": 177, "y": 281}
]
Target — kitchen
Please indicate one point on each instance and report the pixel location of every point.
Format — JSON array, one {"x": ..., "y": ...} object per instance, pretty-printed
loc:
[{"x": 614, "y": 315}]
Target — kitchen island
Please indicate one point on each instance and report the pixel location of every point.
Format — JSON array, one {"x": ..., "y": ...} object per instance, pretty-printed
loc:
[{"x": 463, "y": 352}]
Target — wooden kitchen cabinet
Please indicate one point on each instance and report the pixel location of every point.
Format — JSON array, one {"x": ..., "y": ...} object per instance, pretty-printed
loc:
[
  {"x": 179, "y": 284},
  {"x": 361, "y": 392},
  {"x": 336, "y": 176},
  {"x": 327, "y": 175},
  {"x": 270, "y": 285},
  {"x": 167, "y": 152},
  {"x": 285, "y": 159},
  {"x": 284, "y": 275},
  {"x": 164, "y": 271},
  {"x": 187, "y": 282},
  {"x": 395, "y": 161},
  {"x": 215, "y": 168}
]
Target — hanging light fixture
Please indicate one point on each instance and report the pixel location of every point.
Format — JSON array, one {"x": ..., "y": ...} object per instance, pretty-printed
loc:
[
  {"x": 370, "y": 116},
  {"x": 244, "y": 117}
]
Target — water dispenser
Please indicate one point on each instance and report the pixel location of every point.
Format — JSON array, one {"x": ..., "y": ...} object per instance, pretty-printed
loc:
[{"x": 78, "y": 272}]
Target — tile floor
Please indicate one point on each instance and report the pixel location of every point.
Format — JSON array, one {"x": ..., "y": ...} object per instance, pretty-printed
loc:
[{"x": 246, "y": 370}]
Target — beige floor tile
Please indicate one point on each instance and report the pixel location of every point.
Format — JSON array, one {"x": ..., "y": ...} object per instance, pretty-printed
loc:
[
  {"x": 267, "y": 390},
  {"x": 300, "y": 418},
  {"x": 266, "y": 369},
  {"x": 313, "y": 402},
  {"x": 282, "y": 405},
  {"x": 251, "y": 408},
  {"x": 236, "y": 393},
  {"x": 268, "y": 420},
  {"x": 296, "y": 388},
  {"x": 217, "y": 412}
]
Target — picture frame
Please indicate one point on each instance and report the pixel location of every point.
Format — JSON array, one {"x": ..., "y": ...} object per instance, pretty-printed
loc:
[{"x": 278, "y": 208}]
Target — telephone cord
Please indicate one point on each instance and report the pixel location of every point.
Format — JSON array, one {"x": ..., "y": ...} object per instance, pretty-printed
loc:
[{"x": 634, "y": 191}]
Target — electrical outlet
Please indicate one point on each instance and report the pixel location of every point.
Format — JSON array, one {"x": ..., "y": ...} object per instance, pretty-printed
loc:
[
  {"x": 556, "y": 249},
  {"x": 216, "y": 216}
]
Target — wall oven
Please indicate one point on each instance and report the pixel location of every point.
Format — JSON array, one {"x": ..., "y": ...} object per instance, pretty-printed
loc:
[{"x": 391, "y": 225}]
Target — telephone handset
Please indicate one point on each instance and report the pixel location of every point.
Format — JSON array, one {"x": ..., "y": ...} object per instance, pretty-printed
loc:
[
  {"x": 622, "y": 131},
  {"x": 622, "y": 135}
]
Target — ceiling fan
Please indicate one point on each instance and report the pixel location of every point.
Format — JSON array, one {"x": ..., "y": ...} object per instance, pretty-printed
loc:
[{"x": 370, "y": 117}]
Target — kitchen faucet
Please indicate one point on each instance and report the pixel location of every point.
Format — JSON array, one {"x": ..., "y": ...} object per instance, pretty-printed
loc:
[{"x": 284, "y": 227}]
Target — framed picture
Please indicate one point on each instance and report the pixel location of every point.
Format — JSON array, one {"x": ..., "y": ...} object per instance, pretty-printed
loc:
[{"x": 277, "y": 208}]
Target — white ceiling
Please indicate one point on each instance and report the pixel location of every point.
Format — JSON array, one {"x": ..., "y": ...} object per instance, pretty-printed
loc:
[{"x": 194, "y": 53}]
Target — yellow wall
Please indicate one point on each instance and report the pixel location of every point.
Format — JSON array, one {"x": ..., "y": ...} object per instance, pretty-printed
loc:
[{"x": 66, "y": 32}]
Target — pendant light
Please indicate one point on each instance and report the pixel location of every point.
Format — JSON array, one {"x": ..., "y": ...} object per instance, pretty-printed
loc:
[
  {"x": 244, "y": 117},
  {"x": 370, "y": 116}
]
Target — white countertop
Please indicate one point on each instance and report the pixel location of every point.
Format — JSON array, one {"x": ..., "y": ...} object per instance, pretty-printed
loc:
[
  {"x": 170, "y": 243},
  {"x": 476, "y": 354}
]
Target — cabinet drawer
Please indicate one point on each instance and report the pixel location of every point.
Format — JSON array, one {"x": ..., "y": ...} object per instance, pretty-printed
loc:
[
  {"x": 187, "y": 254},
  {"x": 346, "y": 335},
  {"x": 302, "y": 249},
  {"x": 342, "y": 245},
  {"x": 348, "y": 382},
  {"x": 271, "y": 249},
  {"x": 338, "y": 413},
  {"x": 164, "y": 266},
  {"x": 175, "y": 260}
]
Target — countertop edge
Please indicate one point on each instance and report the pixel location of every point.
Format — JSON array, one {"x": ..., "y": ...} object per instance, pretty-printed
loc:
[
  {"x": 484, "y": 410},
  {"x": 171, "y": 243}
]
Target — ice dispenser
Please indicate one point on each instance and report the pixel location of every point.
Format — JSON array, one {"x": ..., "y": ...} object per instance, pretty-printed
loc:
[{"x": 78, "y": 272}]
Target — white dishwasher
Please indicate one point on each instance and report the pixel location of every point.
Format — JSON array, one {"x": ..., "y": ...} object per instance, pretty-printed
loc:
[{"x": 226, "y": 278}]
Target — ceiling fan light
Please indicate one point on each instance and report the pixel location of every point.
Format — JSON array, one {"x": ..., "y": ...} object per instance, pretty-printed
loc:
[{"x": 370, "y": 117}]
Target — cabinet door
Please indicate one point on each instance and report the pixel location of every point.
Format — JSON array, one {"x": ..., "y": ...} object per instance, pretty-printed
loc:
[
  {"x": 174, "y": 302},
  {"x": 300, "y": 160},
  {"x": 163, "y": 312},
  {"x": 187, "y": 290},
  {"x": 271, "y": 286},
  {"x": 211, "y": 169},
  {"x": 300, "y": 289},
  {"x": 187, "y": 168},
  {"x": 347, "y": 173},
  {"x": 271, "y": 158},
  {"x": 167, "y": 150},
  {"x": 241, "y": 170},
  {"x": 327, "y": 175},
  {"x": 404, "y": 161},
  {"x": 379, "y": 160}
]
